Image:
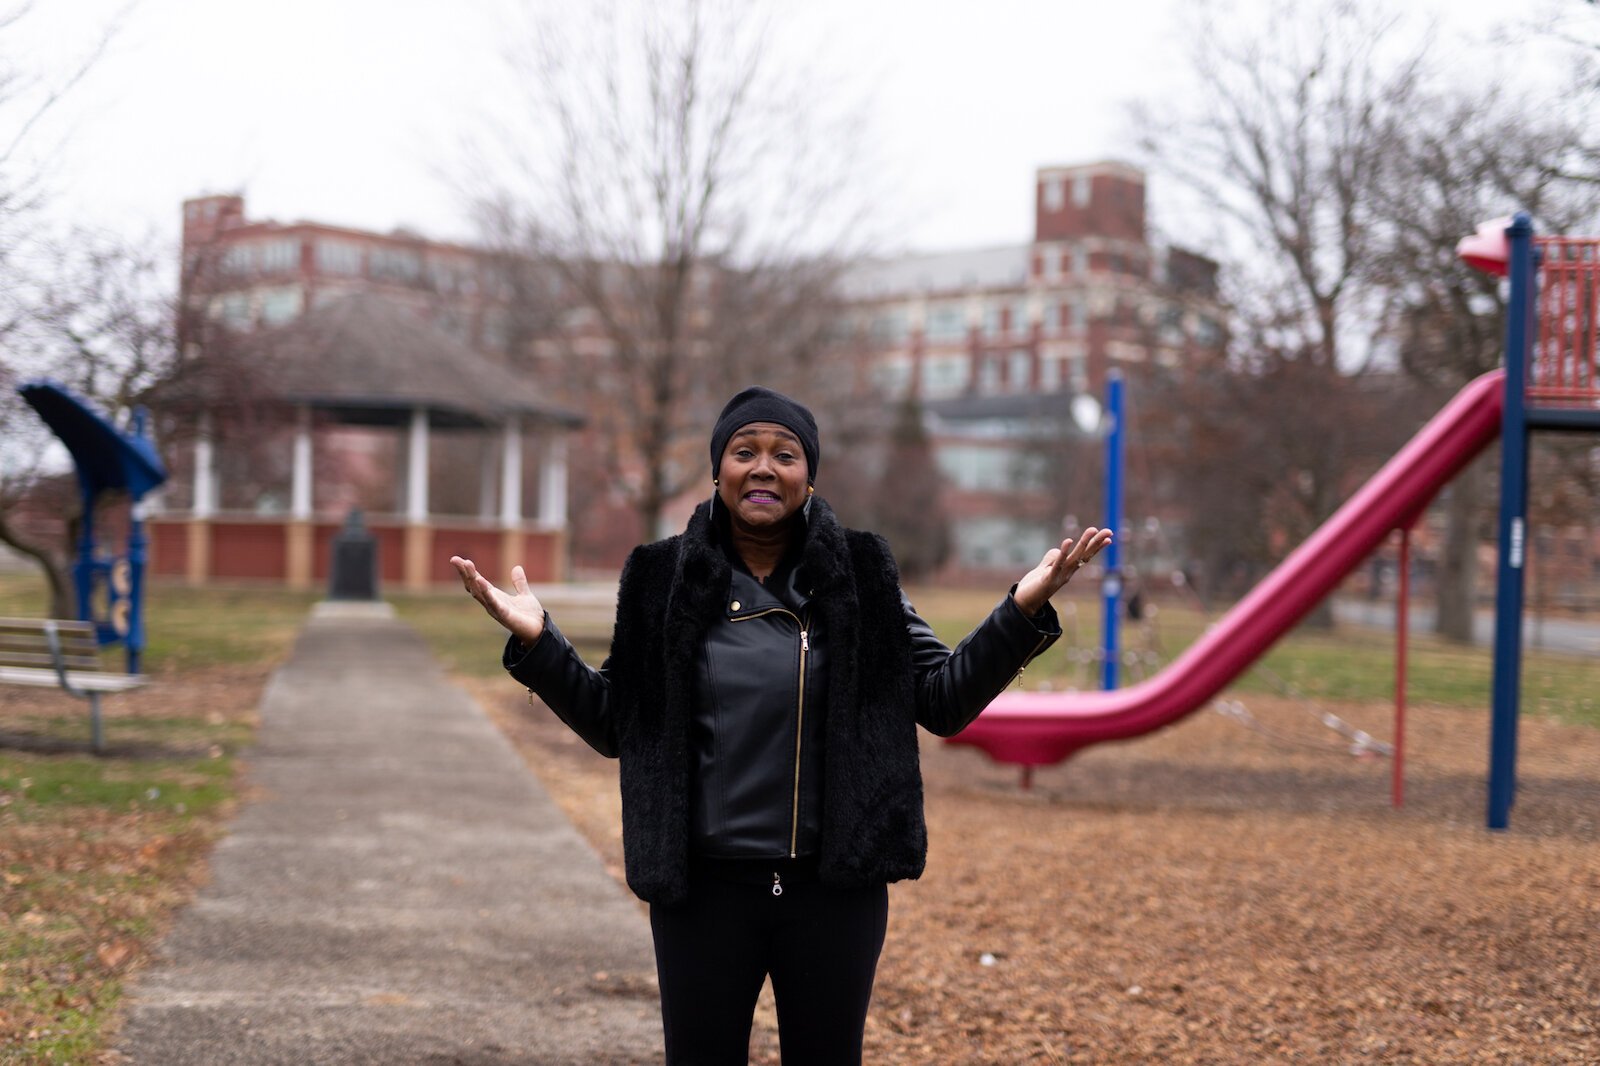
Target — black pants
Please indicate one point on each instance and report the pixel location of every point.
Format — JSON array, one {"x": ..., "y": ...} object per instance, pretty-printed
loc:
[{"x": 820, "y": 945}]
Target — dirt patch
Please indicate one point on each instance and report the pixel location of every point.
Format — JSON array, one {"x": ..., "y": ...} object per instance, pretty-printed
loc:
[{"x": 1220, "y": 893}]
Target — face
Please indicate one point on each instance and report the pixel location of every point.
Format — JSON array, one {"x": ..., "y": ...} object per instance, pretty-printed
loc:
[{"x": 763, "y": 477}]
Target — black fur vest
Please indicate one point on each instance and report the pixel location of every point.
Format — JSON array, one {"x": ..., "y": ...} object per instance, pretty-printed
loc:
[{"x": 670, "y": 593}]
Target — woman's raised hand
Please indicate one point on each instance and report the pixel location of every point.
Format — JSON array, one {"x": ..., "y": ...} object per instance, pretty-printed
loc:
[
  {"x": 1057, "y": 568},
  {"x": 519, "y": 611}
]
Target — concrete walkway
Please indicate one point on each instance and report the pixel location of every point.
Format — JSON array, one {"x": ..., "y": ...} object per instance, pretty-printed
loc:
[
  {"x": 1571, "y": 636},
  {"x": 396, "y": 889}
]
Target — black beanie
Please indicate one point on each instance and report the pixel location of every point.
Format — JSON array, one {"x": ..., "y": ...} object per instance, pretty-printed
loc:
[{"x": 757, "y": 404}]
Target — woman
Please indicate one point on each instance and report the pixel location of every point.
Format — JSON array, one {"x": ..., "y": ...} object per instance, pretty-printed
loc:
[{"x": 765, "y": 681}]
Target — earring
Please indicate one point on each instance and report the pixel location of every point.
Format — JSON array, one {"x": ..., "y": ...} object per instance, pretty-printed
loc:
[
  {"x": 810, "y": 489},
  {"x": 715, "y": 483}
]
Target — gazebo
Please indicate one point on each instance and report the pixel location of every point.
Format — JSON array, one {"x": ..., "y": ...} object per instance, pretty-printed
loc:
[{"x": 365, "y": 361}]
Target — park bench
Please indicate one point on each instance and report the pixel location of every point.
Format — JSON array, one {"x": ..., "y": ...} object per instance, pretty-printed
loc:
[{"x": 52, "y": 652}]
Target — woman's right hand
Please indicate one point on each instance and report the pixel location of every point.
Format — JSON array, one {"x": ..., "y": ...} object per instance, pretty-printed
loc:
[{"x": 519, "y": 611}]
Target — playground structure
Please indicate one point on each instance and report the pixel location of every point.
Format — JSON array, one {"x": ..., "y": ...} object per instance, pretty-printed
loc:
[
  {"x": 109, "y": 589},
  {"x": 1557, "y": 389}
]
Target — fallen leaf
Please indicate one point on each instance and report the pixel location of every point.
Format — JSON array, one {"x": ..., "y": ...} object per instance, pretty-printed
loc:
[{"x": 112, "y": 955}]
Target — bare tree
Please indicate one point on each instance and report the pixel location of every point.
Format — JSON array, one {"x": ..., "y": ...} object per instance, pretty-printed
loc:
[
  {"x": 101, "y": 323},
  {"x": 27, "y": 98},
  {"x": 908, "y": 512},
  {"x": 1462, "y": 156},
  {"x": 1284, "y": 141},
  {"x": 690, "y": 216},
  {"x": 1351, "y": 174}
]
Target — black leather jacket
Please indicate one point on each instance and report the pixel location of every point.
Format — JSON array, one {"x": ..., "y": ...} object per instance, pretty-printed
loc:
[{"x": 760, "y": 705}]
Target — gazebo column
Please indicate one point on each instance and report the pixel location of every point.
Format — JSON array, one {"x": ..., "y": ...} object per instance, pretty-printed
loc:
[
  {"x": 488, "y": 482},
  {"x": 205, "y": 504},
  {"x": 553, "y": 493},
  {"x": 298, "y": 533},
  {"x": 511, "y": 541},
  {"x": 419, "y": 533}
]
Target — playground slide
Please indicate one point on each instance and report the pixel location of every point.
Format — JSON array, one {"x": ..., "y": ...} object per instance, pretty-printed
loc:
[{"x": 1041, "y": 728}]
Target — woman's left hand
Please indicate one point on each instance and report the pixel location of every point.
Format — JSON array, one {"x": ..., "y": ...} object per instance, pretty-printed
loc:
[{"x": 1057, "y": 568}]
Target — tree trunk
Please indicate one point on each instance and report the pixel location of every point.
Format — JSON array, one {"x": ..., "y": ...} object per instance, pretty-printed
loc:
[
  {"x": 54, "y": 575},
  {"x": 1458, "y": 569},
  {"x": 1326, "y": 503}
]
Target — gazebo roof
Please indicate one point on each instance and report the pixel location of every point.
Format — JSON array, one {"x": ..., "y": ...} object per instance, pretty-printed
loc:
[{"x": 371, "y": 360}]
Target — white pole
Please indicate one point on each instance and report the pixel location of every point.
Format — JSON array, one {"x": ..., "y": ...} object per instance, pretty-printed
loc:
[
  {"x": 553, "y": 479},
  {"x": 300, "y": 483},
  {"x": 417, "y": 468},
  {"x": 511, "y": 474},
  {"x": 205, "y": 474},
  {"x": 486, "y": 485}
]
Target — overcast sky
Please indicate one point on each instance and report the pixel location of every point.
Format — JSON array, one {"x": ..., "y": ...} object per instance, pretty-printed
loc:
[{"x": 349, "y": 111}]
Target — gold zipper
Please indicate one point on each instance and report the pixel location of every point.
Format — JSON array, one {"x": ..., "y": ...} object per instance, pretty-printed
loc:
[
  {"x": 799, "y": 731},
  {"x": 800, "y": 718},
  {"x": 1031, "y": 655}
]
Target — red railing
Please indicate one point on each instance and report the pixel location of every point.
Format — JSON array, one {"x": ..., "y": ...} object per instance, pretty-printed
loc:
[{"x": 1567, "y": 344}]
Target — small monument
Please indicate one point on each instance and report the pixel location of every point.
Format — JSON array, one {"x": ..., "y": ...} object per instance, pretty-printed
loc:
[{"x": 353, "y": 570}]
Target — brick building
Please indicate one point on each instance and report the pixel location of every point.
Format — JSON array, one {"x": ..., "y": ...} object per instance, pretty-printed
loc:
[
  {"x": 993, "y": 344},
  {"x": 996, "y": 342},
  {"x": 370, "y": 351}
]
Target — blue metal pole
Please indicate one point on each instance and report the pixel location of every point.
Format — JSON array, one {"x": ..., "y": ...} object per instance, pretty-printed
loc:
[
  {"x": 83, "y": 569},
  {"x": 1111, "y": 586},
  {"x": 1513, "y": 527},
  {"x": 138, "y": 553}
]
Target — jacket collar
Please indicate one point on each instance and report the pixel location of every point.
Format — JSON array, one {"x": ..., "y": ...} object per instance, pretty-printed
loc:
[{"x": 704, "y": 573}]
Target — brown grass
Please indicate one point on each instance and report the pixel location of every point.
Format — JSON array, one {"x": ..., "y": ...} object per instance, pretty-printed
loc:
[{"x": 88, "y": 886}]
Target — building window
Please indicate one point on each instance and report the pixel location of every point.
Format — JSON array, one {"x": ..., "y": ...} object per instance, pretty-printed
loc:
[
  {"x": 992, "y": 469},
  {"x": 395, "y": 264},
  {"x": 238, "y": 259},
  {"x": 1080, "y": 260},
  {"x": 892, "y": 376},
  {"x": 1019, "y": 316},
  {"x": 889, "y": 327},
  {"x": 1019, "y": 371},
  {"x": 1049, "y": 375},
  {"x": 1207, "y": 332},
  {"x": 1079, "y": 311},
  {"x": 1050, "y": 264},
  {"x": 1169, "y": 328},
  {"x": 946, "y": 322},
  {"x": 945, "y": 375},
  {"x": 1080, "y": 190},
  {"x": 992, "y": 542},
  {"x": 236, "y": 309},
  {"x": 989, "y": 375},
  {"x": 338, "y": 257},
  {"x": 281, "y": 305},
  {"x": 1050, "y": 316},
  {"x": 991, "y": 320},
  {"x": 1054, "y": 195},
  {"x": 280, "y": 255}
]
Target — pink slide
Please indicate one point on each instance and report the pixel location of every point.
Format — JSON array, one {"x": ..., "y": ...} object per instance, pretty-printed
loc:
[{"x": 1041, "y": 728}]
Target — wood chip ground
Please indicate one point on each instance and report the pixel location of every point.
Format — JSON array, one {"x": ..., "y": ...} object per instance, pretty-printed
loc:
[{"x": 1221, "y": 894}]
